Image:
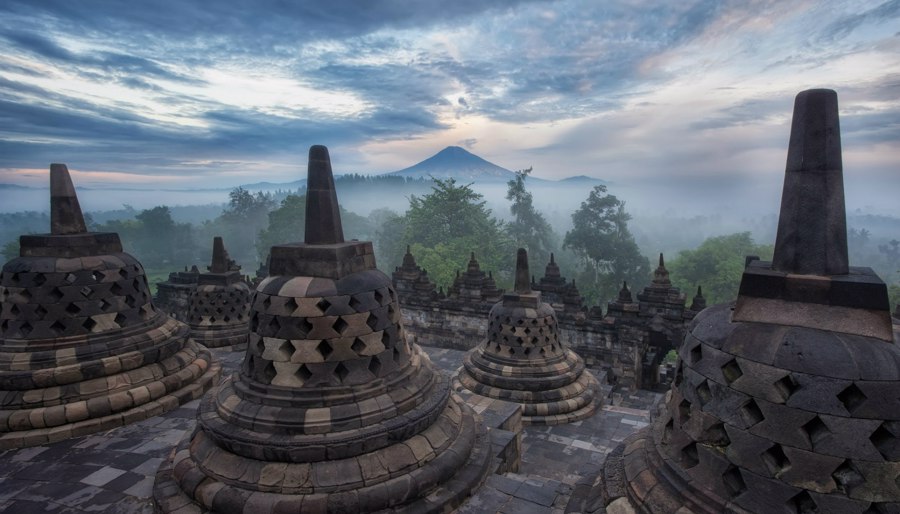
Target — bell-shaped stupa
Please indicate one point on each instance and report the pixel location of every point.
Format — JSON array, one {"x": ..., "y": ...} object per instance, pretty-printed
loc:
[
  {"x": 522, "y": 360},
  {"x": 333, "y": 410},
  {"x": 789, "y": 399},
  {"x": 219, "y": 314},
  {"x": 82, "y": 348}
]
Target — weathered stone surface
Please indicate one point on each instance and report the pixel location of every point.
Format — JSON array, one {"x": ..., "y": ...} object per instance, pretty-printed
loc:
[
  {"x": 333, "y": 410},
  {"x": 788, "y": 404},
  {"x": 219, "y": 304},
  {"x": 82, "y": 347},
  {"x": 523, "y": 360}
]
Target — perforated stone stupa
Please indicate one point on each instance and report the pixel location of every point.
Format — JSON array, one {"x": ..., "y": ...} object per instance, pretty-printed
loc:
[
  {"x": 787, "y": 401},
  {"x": 219, "y": 314},
  {"x": 332, "y": 410},
  {"x": 523, "y": 360},
  {"x": 82, "y": 348}
]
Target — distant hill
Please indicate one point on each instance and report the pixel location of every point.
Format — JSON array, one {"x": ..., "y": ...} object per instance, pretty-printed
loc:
[
  {"x": 458, "y": 163},
  {"x": 581, "y": 179},
  {"x": 265, "y": 186}
]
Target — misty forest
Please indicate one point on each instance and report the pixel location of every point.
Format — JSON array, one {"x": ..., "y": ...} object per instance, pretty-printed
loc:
[{"x": 594, "y": 238}]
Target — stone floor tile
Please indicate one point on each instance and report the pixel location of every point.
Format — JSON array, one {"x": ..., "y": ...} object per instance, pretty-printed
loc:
[{"x": 102, "y": 476}]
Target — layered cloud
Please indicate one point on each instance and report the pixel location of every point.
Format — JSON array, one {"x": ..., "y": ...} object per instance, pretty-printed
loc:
[{"x": 627, "y": 90}]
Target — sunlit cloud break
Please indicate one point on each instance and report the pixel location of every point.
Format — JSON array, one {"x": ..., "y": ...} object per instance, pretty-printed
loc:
[{"x": 679, "y": 93}]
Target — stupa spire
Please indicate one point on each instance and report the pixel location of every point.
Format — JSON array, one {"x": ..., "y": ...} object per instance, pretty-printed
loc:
[
  {"x": 323, "y": 217},
  {"x": 812, "y": 227},
  {"x": 65, "y": 212},
  {"x": 523, "y": 285},
  {"x": 219, "y": 257}
]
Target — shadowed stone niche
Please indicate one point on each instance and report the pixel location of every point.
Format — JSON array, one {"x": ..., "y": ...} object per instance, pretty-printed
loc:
[
  {"x": 332, "y": 411},
  {"x": 82, "y": 348},
  {"x": 523, "y": 361},
  {"x": 219, "y": 314},
  {"x": 790, "y": 400}
]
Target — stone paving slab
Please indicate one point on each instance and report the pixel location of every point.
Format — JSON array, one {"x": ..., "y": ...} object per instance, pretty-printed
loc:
[{"x": 112, "y": 472}]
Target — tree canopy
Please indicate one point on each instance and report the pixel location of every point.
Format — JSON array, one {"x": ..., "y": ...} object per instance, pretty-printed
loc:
[
  {"x": 606, "y": 248},
  {"x": 717, "y": 265},
  {"x": 448, "y": 224},
  {"x": 528, "y": 228},
  {"x": 286, "y": 224}
]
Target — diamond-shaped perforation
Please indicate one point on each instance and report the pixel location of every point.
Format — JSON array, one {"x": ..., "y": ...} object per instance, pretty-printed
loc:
[
  {"x": 104, "y": 305},
  {"x": 375, "y": 365},
  {"x": 324, "y": 348},
  {"x": 775, "y": 460},
  {"x": 354, "y": 303},
  {"x": 734, "y": 481},
  {"x": 55, "y": 294},
  {"x": 25, "y": 328},
  {"x": 40, "y": 311},
  {"x": 802, "y": 503},
  {"x": 358, "y": 345},
  {"x": 323, "y": 305},
  {"x": 786, "y": 386},
  {"x": 731, "y": 371},
  {"x": 847, "y": 476},
  {"x": 274, "y": 326},
  {"x": 290, "y": 305},
  {"x": 684, "y": 411},
  {"x": 73, "y": 309},
  {"x": 716, "y": 435},
  {"x": 696, "y": 353},
  {"x": 303, "y": 373},
  {"x": 751, "y": 413},
  {"x": 14, "y": 310},
  {"x": 885, "y": 440},
  {"x": 341, "y": 371},
  {"x": 116, "y": 289},
  {"x": 304, "y": 326},
  {"x": 70, "y": 278},
  {"x": 269, "y": 372},
  {"x": 58, "y": 328},
  {"x": 703, "y": 392},
  {"x": 120, "y": 319},
  {"x": 123, "y": 272},
  {"x": 89, "y": 324},
  {"x": 339, "y": 325},
  {"x": 851, "y": 398},
  {"x": 815, "y": 430},
  {"x": 689, "y": 457},
  {"x": 286, "y": 349},
  {"x": 97, "y": 276}
]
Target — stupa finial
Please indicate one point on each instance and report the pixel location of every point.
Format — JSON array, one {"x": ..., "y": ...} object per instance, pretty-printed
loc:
[
  {"x": 523, "y": 285},
  {"x": 65, "y": 212},
  {"x": 219, "y": 257},
  {"x": 323, "y": 217},
  {"x": 812, "y": 226}
]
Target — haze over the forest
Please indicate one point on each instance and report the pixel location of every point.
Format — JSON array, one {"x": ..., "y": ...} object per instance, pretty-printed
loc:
[{"x": 681, "y": 105}]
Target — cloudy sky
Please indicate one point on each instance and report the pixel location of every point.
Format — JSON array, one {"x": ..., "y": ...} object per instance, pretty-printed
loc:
[{"x": 688, "y": 92}]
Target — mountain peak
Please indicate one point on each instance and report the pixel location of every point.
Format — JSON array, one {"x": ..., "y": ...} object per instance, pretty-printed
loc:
[{"x": 457, "y": 163}]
